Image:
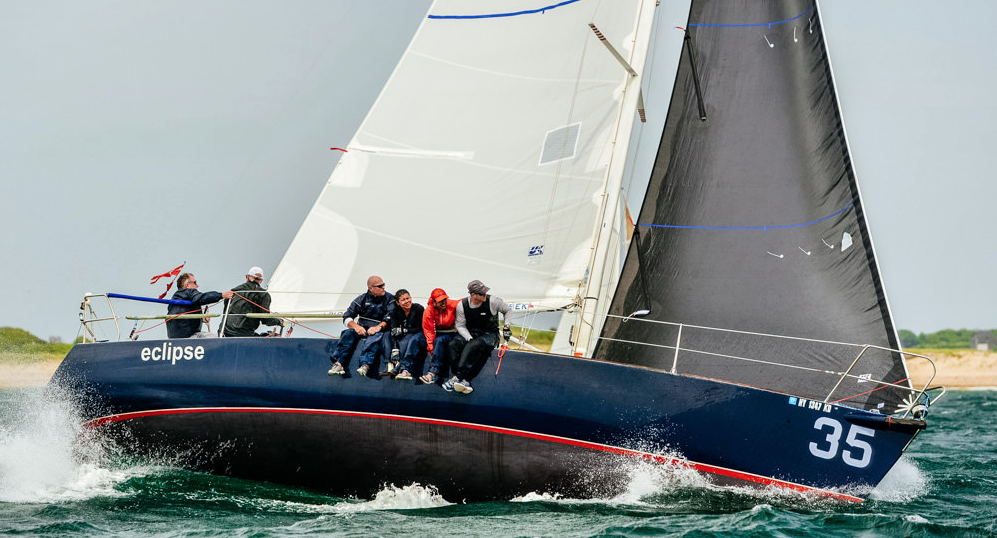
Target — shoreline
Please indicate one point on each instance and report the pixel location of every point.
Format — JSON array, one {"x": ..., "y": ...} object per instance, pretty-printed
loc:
[
  {"x": 957, "y": 370},
  {"x": 960, "y": 369},
  {"x": 19, "y": 376}
]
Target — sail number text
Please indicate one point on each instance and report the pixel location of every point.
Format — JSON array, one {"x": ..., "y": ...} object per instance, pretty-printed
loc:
[{"x": 858, "y": 451}]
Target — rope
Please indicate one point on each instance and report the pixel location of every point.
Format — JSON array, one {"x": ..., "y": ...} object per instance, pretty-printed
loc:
[
  {"x": 895, "y": 385},
  {"x": 291, "y": 321},
  {"x": 135, "y": 332},
  {"x": 750, "y": 333}
]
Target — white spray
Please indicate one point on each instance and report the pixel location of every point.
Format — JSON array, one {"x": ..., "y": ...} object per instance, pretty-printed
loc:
[{"x": 44, "y": 453}]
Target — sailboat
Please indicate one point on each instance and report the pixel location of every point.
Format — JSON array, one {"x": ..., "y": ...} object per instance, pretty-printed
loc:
[{"x": 737, "y": 327}]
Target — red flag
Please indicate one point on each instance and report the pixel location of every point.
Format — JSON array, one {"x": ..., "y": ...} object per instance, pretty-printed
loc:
[
  {"x": 168, "y": 286},
  {"x": 168, "y": 274}
]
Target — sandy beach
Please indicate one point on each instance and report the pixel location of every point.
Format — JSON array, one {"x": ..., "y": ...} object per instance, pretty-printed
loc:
[
  {"x": 15, "y": 376},
  {"x": 959, "y": 369}
]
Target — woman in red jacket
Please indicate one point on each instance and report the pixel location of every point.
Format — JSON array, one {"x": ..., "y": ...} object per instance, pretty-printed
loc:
[{"x": 438, "y": 327}]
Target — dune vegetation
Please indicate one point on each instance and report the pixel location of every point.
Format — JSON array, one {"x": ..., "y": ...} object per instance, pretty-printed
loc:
[{"x": 18, "y": 346}]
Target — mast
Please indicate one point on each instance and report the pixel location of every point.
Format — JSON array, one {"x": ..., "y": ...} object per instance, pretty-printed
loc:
[{"x": 609, "y": 227}]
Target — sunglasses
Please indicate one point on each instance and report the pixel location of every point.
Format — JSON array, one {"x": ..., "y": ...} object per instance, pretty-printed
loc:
[{"x": 381, "y": 285}]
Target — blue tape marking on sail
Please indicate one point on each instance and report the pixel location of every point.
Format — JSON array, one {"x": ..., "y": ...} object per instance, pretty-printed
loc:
[
  {"x": 148, "y": 299},
  {"x": 511, "y": 14},
  {"x": 756, "y": 24},
  {"x": 762, "y": 228}
]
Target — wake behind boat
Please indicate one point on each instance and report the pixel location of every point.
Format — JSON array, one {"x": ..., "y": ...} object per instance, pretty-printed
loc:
[{"x": 716, "y": 332}]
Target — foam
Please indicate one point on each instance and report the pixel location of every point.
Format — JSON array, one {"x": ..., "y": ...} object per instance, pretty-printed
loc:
[
  {"x": 903, "y": 483},
  {"x": 391, "y": 497},
  {"x": 46, "y": 456}
]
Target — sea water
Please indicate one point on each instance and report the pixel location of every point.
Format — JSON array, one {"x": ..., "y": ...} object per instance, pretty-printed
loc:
[{"x": 54, "y": 481}]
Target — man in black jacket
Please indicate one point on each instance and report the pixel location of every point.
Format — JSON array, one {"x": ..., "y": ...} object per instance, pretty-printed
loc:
[
  {"x": 250, "y": 298},
  {"x": 187, "y": 291}
]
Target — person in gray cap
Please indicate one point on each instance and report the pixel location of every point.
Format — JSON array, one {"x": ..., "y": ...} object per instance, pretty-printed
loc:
[
  {"x": 250, "y": 298},
  {"x": 477, "y": 334}
]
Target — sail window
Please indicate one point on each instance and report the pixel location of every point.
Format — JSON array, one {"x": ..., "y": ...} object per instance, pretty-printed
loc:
[{"x": 560, "y": 144}]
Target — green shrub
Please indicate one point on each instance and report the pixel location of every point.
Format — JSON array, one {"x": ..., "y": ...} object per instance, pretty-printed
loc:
[
  {"x": 14, "y": 337},
  {"x": 20, "y": 346}
]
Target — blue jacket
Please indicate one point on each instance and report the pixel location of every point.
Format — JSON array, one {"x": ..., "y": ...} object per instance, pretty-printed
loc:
[
  {"x": 368, "y": 310},
  {"x": 185, "y": 328}
]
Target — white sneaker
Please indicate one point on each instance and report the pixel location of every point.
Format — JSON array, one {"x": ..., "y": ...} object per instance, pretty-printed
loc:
[
  {"x": 449, "y": 385},
  {"x": 362, "y": 371},
  {"x": 463, "y": 386},
  {"x": 337, "y": 369}
]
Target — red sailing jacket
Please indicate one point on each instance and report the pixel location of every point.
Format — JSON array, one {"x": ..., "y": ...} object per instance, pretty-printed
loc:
[{"x": 433, "y": 319}]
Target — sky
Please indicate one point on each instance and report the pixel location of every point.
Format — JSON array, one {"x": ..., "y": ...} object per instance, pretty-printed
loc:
[{"x": 135, "y": 136}]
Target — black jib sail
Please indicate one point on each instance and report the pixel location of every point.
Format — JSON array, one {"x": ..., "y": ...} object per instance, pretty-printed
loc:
[{"x": 753, "y": 225}]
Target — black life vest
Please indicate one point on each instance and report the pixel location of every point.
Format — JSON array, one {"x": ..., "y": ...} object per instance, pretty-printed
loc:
[{"x": 479, "y": 320}]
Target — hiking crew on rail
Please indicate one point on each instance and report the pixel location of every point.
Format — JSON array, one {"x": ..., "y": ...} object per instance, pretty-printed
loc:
[{"x": 459, "y": 336}]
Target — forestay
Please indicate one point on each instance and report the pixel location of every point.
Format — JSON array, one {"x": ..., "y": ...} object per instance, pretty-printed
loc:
[{"x": 487, "y": 156}]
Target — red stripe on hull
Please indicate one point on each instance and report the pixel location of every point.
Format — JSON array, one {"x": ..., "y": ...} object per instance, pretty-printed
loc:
[{"x": 701, "y": 467}]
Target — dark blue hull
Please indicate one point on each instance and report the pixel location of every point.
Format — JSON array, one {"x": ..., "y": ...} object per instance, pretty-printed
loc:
[{"x": 265, "y": 409}]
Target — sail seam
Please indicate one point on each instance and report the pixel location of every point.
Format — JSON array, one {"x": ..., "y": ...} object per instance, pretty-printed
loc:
[
  {"x": 510, "y": 14},
  {"x": 768, "y": 24},
  {"x": 762, "y": 228}
]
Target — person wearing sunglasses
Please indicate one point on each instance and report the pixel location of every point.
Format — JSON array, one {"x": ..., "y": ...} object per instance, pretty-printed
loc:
[
  {"x": 250, "y": 298},
  {"x": 187, "y": 291},
  {"x": 366, "y": 318}
]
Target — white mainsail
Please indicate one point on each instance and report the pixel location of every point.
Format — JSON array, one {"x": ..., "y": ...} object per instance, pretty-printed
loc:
[{"x": 494, "y": 152}]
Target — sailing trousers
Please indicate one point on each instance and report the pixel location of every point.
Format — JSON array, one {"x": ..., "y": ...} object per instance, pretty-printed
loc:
[
  {"x": 442, "y": 357},
  {"x": 412, "y": 348},
  {"x": 472, "y": 355},
  {"x": 371, "y": 347}
]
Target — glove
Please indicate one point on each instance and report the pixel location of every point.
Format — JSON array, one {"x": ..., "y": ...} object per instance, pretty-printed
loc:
[
  {"x": 396, "y": 332},
  {"x": 506, "y": 332}
]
